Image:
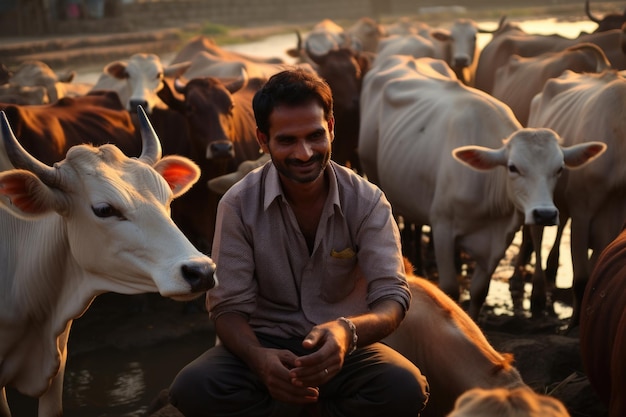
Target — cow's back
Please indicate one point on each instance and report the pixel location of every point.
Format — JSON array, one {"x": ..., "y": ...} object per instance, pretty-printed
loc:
[
  {"x": 425, "y": 114},
  {"x": 449, "y": 348},
  {"x": 48, "y": 131},
  {"x": 603, "y": 327}
]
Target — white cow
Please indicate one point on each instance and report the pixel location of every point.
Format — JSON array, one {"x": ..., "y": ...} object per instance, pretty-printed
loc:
[
  {"x": 414, "y": 45},
  {"x": 96, "y": 222},
  {"x": 206, "y": 64},
  {"x": 580, "y": 107},
  {"x": 500, "y": 402},
  {"x": 521, "y": 78},
  {"x": 137, "y": 80},
  {"x": 429, "y": 129},
  {"x": 461, "y": 49},
  {"x": 32, "y": 75}
]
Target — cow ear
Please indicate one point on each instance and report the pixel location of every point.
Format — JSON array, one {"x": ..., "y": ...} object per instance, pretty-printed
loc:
[
  {"x": 180, "y": 173},
  {"x": 24, "y": 195},
  {"x": 580, "y": 155},
  {"x": 442, "y": 35},
  {"x": 479, "y": 157}
]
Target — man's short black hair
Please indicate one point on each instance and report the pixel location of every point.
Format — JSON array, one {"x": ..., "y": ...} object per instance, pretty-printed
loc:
[{"x": 291, "y": 88}]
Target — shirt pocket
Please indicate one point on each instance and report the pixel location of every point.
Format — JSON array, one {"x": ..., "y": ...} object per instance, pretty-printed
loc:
[{"x": 340, "y": 275}]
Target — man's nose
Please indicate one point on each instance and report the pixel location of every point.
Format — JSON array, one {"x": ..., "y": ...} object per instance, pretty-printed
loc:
[{"x": 304, "y": 150}]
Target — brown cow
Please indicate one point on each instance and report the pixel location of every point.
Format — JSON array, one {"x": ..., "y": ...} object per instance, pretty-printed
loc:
[
  {"x": 506, "y": 43},
  {"x": 603, "y": 327},
  {"x": 203, "y": 43},
  {"x": 48, "y": 131},
  {"x": 222, "y": 130},
  {"x": 343, "y": 69},
  {"x": 608, "y": 21},
  {"x": 448, "y": 347}
]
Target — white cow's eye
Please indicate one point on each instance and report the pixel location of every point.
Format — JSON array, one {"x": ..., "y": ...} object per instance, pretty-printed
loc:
[
  {"x": 513, "y": 169},
  {"x": 106, "y": 210}
]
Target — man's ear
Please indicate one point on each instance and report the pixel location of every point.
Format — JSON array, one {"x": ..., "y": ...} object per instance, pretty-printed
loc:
[
  {"x": 263, "y": 141},
  {"x": 331, "y": 127}
]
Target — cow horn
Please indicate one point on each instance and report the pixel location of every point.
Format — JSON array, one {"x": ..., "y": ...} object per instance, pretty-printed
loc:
[
  {"x": 150, "y": 144},
  {"x": 500, "y": 24},
  {"x": 20, "y": 158},
  {"x": 589, "y": 15},
  {"x": 318, "y": 59},
  {"x": 299, "y": 35},
  {"x": 239, "y": 83}
]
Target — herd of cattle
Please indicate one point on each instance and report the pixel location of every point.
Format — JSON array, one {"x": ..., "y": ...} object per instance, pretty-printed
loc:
[{"x": 527, "y": 131}]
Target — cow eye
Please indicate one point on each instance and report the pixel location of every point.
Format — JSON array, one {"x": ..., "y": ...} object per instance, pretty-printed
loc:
[
  {"x": 559, "y": 171},
  {"x": 106, "y": 210},
  {"x": 513, "y": 169}
]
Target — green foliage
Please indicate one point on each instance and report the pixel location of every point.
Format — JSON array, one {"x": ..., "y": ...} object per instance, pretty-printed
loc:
[{"x": 212, "y": 29}]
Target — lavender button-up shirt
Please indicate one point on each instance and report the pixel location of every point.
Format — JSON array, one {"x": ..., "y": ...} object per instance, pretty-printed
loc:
[{"x": 264, "y": 269}]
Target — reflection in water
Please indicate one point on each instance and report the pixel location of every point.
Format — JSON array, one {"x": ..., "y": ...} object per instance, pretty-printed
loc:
[
  {"x": 117, "y": 382},
  {"x": 123, "y": 383}
]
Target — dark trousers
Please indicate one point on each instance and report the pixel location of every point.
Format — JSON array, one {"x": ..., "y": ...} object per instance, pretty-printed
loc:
[{"x": 374, "y": 381}]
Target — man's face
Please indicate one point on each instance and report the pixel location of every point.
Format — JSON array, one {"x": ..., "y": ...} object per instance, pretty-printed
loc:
[{"x": 299, "y": 141}]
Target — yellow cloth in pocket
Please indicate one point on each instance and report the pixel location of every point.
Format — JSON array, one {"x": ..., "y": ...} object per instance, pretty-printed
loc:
[{"x": 347, "y": 253}]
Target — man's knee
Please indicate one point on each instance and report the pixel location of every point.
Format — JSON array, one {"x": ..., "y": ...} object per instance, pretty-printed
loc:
[{"x": 409, "y": 391}]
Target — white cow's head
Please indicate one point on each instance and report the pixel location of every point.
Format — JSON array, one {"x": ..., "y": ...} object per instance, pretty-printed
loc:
[
  {"x": 534, "y": 161},
  {"x": 143, "y": 76},
  {"x": 462, "y": 40},
  {"x": 113, "y": 213}
]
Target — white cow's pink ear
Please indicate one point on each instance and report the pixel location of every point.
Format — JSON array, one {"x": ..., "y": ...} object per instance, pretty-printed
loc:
[
  {"x": 577, "y": 156},
  {"x": 23, "y": 194},
  {"x": 180, "y": 173},
  {"x": 479, "y": 157}
]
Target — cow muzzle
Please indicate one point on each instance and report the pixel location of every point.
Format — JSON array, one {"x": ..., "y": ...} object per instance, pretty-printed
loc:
[
  {"x": 545, "y": 216},
  {"x": 220, "y": 149},
  {"x": 200, "y": 275}
]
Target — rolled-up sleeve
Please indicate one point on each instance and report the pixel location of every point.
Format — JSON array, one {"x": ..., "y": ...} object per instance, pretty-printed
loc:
[
  {"x": 232, "y": 253},
  {"x": 380, "y": 255}
]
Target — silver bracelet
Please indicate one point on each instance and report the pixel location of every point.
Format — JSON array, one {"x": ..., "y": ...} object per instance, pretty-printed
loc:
[{"x": 355, "y": 337}]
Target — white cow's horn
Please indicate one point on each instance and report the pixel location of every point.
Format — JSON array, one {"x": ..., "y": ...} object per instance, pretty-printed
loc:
[
  {"x": 150, "y": 144},
  {"x": 20, "y": 158}
]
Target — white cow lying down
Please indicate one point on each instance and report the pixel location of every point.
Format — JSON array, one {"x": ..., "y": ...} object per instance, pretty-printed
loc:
[
  {"x": 501, "y": 402},
  {"x": 96, "y": 222},
  {"x": 448, "y": 347}
]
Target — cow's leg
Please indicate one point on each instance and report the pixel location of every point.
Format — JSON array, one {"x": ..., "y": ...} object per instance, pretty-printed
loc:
[
  {"x": 552, "y": 264},
  {"x": 4, "y": 405},
  {"x": 479, "y": 288},
  {"x": 541, "y": 289},
  {"x": 580, "y": 264},
  {"x": 444, "y": 256},
  {"x": 411, "y": 245},
  {"x": 51, "y": 402},
  {"x": 517, "y": 280}
]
